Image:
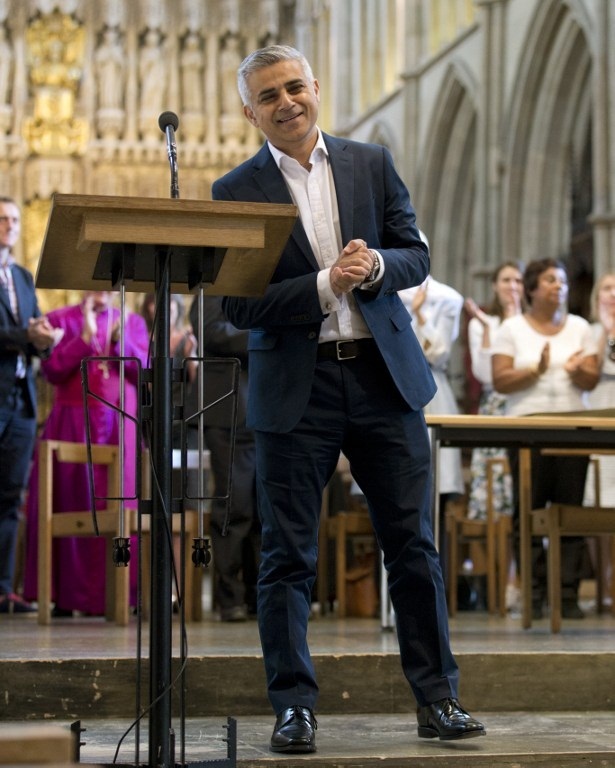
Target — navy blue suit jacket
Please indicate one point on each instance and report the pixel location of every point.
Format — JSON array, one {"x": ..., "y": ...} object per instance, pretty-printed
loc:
[
  {"x": 284, "y": 324},
  {"x": 13, "y": 334}
]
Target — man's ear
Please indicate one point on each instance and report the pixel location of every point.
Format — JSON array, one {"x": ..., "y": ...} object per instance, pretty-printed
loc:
[{"x": 250, "y": 115}]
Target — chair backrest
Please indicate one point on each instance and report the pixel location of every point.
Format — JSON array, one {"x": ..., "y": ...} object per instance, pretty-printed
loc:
[
  {"x": 80, "y": 523},
  {"x": 62, "y": 451}
]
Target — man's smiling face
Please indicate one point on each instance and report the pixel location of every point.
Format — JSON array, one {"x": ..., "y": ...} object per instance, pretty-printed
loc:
[
  {"x": 10, "y": 226},
  {"x": 284, "y": 105}
]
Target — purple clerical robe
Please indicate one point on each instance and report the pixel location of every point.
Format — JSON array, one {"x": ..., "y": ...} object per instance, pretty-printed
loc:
[{"x": 78, "y": 576}]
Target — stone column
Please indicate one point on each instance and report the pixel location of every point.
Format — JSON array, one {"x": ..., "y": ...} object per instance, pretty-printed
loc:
[
  {"x": 488, "y": 208},
  {"x": 603, "y": 71},
  {"x": 416, "y": 35}
]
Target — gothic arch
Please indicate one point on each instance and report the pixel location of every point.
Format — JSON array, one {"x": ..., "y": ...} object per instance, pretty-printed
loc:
[
  {"x": 550, "y": 116},
  {"x": 447, "y": 178},
  {"x": 383, "y": 135}
]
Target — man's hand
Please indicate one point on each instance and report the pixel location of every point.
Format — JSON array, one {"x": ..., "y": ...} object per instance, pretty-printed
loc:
[
  {"x": 41, "y": 333},
  {"x": 351, "y": 268}
]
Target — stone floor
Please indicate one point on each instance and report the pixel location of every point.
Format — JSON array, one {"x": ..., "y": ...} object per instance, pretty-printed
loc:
[
  {"x": 545, "y": 699},
  {"x": 513, "y": 739}
]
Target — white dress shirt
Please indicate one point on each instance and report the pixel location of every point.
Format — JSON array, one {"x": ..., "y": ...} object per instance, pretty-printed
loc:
[{"x": 313, "y": 192}]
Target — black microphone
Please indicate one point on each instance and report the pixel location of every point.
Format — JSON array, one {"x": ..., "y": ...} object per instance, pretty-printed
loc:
[{"x": 168, "y": 122}]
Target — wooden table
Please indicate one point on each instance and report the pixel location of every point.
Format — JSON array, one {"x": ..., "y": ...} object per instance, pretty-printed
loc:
[{"x": 592, "y": 429}]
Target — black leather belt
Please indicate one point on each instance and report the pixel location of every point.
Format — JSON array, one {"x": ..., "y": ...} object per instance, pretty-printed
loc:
[{"x": 346, "y": 349}]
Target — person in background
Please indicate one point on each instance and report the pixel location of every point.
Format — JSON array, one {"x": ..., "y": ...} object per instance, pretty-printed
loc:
[
  {"x": 148, "y": 310},
  {"x": 335, "y": 367},
  {"x": 182, "y": 343},
  {"x": 236, "y": 553},
  {"x": 182, "y": 340},
  {"x": 436, "y": 310},
  {"x": 603, "y": 396},
  {"x": 506, "y": 301},
  {"x": 90, "y": 329},
  {"x": 545, "y": 361},
  {"x": 24, "y": 334}
]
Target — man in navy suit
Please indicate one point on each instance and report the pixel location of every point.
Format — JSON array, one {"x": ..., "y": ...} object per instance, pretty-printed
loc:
[
  {"x": 335, "y": 366},
  {"x": 23, "y": 333}
]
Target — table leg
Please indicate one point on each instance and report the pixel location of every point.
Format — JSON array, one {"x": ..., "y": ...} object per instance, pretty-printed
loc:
[{"x": 525, "y": 528}]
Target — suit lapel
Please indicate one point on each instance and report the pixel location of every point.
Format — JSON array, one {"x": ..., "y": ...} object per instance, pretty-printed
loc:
[
  {"x": 272, "y": 185},
  {"x": 4, "y": 295},
  {"x": 23, "y": 296},
  {"x": 4, "y": 300},
  {"x": 342, "y": 166},
  {"x": 269, "y": 178}
]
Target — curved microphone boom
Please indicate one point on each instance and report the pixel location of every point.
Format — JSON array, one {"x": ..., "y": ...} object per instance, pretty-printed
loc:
[{"x": 168, "y": 122}]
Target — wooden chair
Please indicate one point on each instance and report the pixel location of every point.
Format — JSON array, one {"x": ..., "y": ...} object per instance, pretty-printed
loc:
[
  {"x": 79, "y": 523},
  {"x": 37, "y": 744},
  {"x": 491, "y": 535},
  {"x": 340, "y": 527},
  {"x": 193, "y": 581},
  {"x": 354, "y": 521},
  {"x": 559, "y": 520}
]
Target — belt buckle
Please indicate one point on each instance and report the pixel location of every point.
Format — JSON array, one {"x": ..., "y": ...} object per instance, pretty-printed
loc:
[{"x": 339, "y": 346}]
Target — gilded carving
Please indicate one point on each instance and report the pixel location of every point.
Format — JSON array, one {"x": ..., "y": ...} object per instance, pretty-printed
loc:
[
  {"x": 55, "y": 49},
  {"x": 7, "y": 62}
]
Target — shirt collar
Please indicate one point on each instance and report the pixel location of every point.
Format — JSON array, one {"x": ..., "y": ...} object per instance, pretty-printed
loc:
[{"x": 320, "y": 146}]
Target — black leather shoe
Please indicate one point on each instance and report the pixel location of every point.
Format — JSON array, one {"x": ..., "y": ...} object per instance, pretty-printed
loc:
[
  {"x": 294, "y": 731},
  {"x": 447, "y": 720},
  {"x": 13, "y": 603}
]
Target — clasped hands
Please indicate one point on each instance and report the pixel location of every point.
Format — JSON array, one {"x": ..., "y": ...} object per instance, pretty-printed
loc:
[
  {"x": 41, "y": 334},
  {"x": 90, "y": 309},
  {"x": 353, "y": 265}
]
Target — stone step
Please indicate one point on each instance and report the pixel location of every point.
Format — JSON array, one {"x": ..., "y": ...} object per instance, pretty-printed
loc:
[
  {"x": 350, "y": 684},
  {"x": 513, "y": 740}
]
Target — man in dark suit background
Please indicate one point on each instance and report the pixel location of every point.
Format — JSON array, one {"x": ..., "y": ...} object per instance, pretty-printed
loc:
[
  {"x": 335, "y": 366},
  {"x": 23, "y": 333},
  {"x": 236, "y": 553}
]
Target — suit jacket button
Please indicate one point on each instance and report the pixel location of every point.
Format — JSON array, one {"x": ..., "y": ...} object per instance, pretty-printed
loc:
[{"x": 311, "y": 335}]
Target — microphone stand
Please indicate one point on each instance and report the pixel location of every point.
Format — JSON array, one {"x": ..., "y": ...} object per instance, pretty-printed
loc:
[
  {"x": 169, "y": 122},
  {"x": 161, "y": 733}
]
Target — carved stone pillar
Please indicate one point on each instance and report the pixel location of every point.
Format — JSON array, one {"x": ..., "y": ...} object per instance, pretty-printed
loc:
[
  {"x": 603, "y": 218},
  {"x": 488, "y": 212}
]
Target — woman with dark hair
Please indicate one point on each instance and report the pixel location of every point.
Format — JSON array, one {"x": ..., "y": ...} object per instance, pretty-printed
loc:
[{"x": 545, "y": 361}]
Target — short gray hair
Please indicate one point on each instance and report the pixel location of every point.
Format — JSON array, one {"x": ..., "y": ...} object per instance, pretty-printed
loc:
[{"x": 265, "y": 57}]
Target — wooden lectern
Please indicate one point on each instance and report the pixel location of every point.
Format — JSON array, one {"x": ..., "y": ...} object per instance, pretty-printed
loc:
[
  {"x": 231, "y": 247},
  {"x": 104, "y": 243}
]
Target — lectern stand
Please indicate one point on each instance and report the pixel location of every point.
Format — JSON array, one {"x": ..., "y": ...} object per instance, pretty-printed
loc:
[{"x": 170, "y": 245}]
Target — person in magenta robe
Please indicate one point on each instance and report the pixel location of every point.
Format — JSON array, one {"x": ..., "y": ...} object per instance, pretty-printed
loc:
[{"x": 91, "y": 329}]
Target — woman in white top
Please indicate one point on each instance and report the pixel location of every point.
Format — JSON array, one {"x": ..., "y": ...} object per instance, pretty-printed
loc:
[
  {"x": 507, "y": 285},
  {"x": 545, "y": 361},
  {"x": 603, "y": 396}
]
